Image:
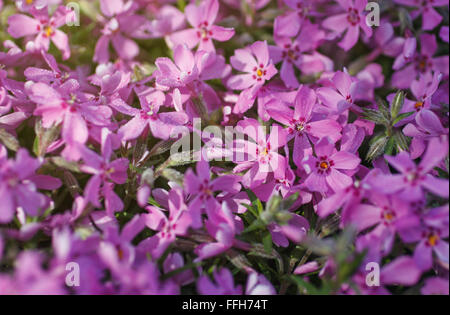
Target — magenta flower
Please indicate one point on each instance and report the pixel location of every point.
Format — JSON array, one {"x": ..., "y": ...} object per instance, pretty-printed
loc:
[
  {"x": 301, "y": 126},
  {"x": 168, "y": 228},
  {"x": 427, "y": 126},
  {"x": 260, "y": 154},
  {"x": 202, "y": 19},
  {"x": 340, "y": 94},
  {"x": 413, "y": 179},
  {"x": 44, "y": 27},
  {"x": 160, "y": 124},
  {"x": 223, "y": 284},
  {"x": 258, "y": 68},
  {"x": 19, "y": 186},
  {"x": 289, "y": 24},
  {"x": 430, "y": 235},
  {"x": 327, "y": 169},
  {"x": 65, "y": 105},
  {"x": 106, "y": 174},
  {"x": 202, "y": 188},
  {"x": 411, "y": 64},
  {"x": 351, "y": 21},
  {"x": 430, "y": 18},
  {"x": 296, "y": 229},
  {"x": 123, "y": 25},
  {"x": 295, "y": 53}
]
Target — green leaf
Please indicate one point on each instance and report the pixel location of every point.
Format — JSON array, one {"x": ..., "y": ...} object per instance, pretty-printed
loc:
[
  {"x": 397, "y": 104},
  {"x": 390, "y": 146},
  {"x": 377, "y": 147},
  {"x": 375, "y": 116},
  {"x": 305, "y": 286},
  {"x": 401, "y": 117},
  {"x": 267, "y": 242},
  {"x": 9, "y": 140}
]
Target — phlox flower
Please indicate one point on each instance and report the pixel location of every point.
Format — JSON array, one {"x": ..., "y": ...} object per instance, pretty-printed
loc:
[
  {"x": 259, "y": 154},
  {"x": 177, "y": 223},
  {"x": 202, "y": 19},
  {"x": 258, "y": 67},
  {"x": 426, "y": 126},
  {"x": 301, "y": 53},
  {"x": 326, "y": 168},
  {"x": 430, "y": 235},
  {"x": 105, "y": 173},
  {"x": 123, "y": 24},
  {"x": 44, "y": 28},
  {"x": 19, "y": 185},
  {"x": 351, "y": 21},
  {"x": 411, "y": 64},
  {"x": 413, "y": 179},
  {"x": 430, "y": 17},
  {"x": 161, "y": 124},
  {"x": 202, "y": 188},
  {"x": 295, "y": 230},
  {"x": 301, "y": 125},
  {"x": 290, "y": 23},
  {"x": 223, "y": 284},
  {"x": 67, "y": 106}
]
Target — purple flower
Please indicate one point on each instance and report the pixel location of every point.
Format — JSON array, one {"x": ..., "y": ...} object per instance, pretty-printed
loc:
[
  {"x": 106, "y": 174},
  {"x": 169, "y": 228},
  {"x": 301, "y": 125},
  {"x": 44, "y": 27},
  {"x": 19, "y": 186},
  {"x": 260, "y": 154},
  {"x": 430, "y": 18},
  {"x": 413, "y": 179},
  {"x": 411, "y": 64},
  {"x": 203, "y": 189},
  {"x": 327, "y": 169},
  {"x": 161, "y": 124},
  {"x": 351, "y": 21},
  {"x": 223, "y": 284},
  {"x": 202, "y": 19}
]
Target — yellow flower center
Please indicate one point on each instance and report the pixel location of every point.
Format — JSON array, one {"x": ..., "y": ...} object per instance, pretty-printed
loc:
[
  {"x": 29, "y": 1},
  {"x": 259, "y": 73},
  {"x": 324, "y": 165},
  {"x": 433, "y": 239},
  {"x": 418, "y": 105},
  {"x": 48, "y": 31}
]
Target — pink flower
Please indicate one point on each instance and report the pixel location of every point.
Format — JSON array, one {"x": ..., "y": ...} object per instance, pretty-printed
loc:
[
  {"x": 351, "y": 21},
  {"x": 202, "y": 188},
  {"x": 295, "y": 53},
  {"x": 260, "y": 154},
  {"x": 413, "y": 179},
  {"x": 301, "y": 125},
  {"x": 19, "y": 186},
  {"x": 68, "y": 106},
  {"x": 170, "y": 227},
  {"x": 223, "y": 284},
  {"x": 411, "y": 64},
  {"x": 258, "y": 68},
  {"x": 44, "y": 27},
  {"x": 430, "y": 18},
  {"x": 202, "y": 19},
  {"x": 123, "y": 24},
  {"x": 327, "y": 168},
  {"x": 106, "y": 174},
  {"x": 160, "y": 124}
]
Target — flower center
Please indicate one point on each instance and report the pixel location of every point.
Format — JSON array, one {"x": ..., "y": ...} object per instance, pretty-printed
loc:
[
  {"x": 433, "y": 239},
  {"x": 48, "y": 31},
  {"x": 418, "y": 106},
  {"x": 29, "y": 2},
  {"x": 324, "y": 165},
  {"x": 353, "y": 16}
]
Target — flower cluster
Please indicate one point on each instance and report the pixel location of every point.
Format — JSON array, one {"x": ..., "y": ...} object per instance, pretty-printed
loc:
[{"x": 337, "y": 157}]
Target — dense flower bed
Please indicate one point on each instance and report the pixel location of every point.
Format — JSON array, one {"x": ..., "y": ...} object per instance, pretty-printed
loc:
[{"x": 224, "y": 147}]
